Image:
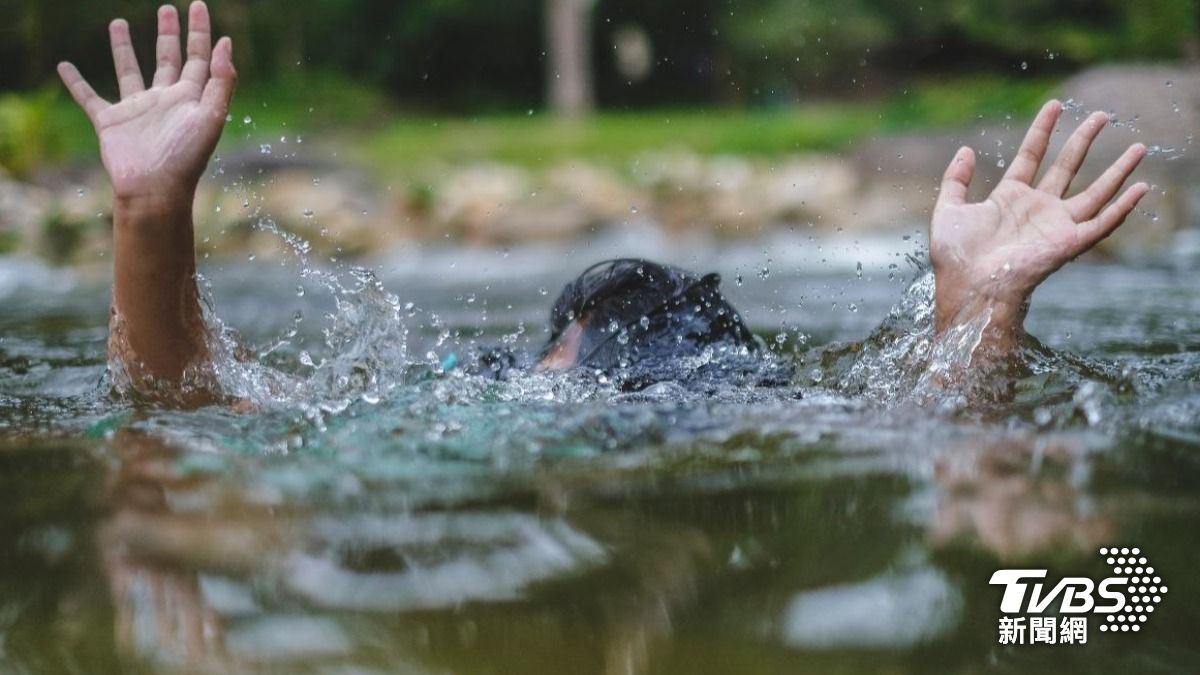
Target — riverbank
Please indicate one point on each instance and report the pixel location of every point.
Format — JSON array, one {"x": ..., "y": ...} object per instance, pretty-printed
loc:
[{"x": 377, "y": 181}]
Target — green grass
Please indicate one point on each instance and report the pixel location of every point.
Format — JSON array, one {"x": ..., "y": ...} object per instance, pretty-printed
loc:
[
  {"x": 614, "y": 137},
  {"x": 535, "y": 140},
  {"x": 365, "y": 125}
]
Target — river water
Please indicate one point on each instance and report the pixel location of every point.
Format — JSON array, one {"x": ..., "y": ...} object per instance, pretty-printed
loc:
[{"x": 374, "y": 514}]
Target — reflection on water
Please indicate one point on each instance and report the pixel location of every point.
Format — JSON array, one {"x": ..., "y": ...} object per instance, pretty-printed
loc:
[{"x": 404, "y": 520}]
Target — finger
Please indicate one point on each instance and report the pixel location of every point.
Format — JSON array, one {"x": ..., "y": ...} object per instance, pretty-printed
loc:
[
  {"x": 169, "y": 60},
  {"x": 1029, "y": 156},
  {"x": 199, "y": 45},
  {"x": 1111, "y": 218},
  {"x": 1086, "y": 204},
  {"x": 219, "y": 90},
  {"x": 81, "y": 91},
  {"x": 1058, "y": 179},
  {"x": 129, "y": 76},
  {"x": 957, "y": 178}
]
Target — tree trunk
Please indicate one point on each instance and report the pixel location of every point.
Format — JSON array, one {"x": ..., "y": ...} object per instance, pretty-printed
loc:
[{"x": 569, "y": 68}]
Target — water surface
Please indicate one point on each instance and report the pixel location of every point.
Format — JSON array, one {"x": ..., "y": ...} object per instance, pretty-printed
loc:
[{"x": 376, "y": 515}]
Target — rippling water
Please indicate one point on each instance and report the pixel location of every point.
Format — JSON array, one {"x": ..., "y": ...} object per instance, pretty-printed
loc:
[{"x": 376, "y": 515}]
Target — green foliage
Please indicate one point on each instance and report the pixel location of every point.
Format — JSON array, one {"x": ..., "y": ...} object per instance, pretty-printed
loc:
[
  {"x": 471, "y": 56},
  {"x": 932, "y": 103},
  {"x": 843, "y": 44},
  {"x": 1083, "y": 30},
  {"x": 306, "y": 101},
  {"x": 25, "y": 137}
]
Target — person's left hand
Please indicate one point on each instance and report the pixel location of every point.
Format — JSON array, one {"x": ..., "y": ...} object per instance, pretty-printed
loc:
[{"x": 992, "y": 254}]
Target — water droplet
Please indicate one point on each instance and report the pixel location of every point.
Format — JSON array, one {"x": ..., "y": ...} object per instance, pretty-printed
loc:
[
  {"x": 265, "y": 148},
  {"x": 633, "y": 210},
  {"x": 308, "y": 213},
  {"x": 1000, "y": 162},
  {"x": 247, "y": 120},
  {"x": 251, "y": 257},
  {"x": 1043, "y": 416},
  {"x": 1024, "y": 65}
]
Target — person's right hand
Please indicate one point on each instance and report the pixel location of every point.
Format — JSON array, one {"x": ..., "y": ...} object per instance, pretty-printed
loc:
[
  {"x": 156, "y": 142},
  {"x": 989, "y": 256}
]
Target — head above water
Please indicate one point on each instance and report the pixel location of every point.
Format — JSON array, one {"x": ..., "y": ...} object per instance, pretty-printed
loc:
[{"x": 631, "y": 314}]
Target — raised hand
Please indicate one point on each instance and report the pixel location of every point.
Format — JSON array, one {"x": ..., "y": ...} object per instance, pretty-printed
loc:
[
  {"x": 990, "y": 256},
  {"x": 155, "y": 144},
  {"x": 157, "y": 141}
]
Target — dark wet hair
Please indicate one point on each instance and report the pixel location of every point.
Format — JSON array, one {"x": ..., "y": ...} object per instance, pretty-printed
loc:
[{"x": 641, "y": 318}]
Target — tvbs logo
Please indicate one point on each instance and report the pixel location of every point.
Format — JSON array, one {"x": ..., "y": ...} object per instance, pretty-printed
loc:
[{"x": 1058, "y": 612}]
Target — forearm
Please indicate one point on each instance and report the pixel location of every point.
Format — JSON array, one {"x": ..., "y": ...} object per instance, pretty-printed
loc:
[
  {"x": 1001, "y": 313},
  {"x": 158, "y": 324}
]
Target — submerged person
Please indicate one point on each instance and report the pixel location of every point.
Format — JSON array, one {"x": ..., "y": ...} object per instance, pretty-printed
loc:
[
  {"x": 636, "y": 321},
  {"x": 987, "y": 257}
]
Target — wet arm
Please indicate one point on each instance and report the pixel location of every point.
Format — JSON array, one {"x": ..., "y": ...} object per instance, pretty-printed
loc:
[
  {"x": 158, "y": 327},
  {"x": 155, "y": 144}
]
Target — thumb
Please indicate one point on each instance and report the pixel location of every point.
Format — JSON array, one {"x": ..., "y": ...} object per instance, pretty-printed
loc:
[{"x": 957, "y": 178}]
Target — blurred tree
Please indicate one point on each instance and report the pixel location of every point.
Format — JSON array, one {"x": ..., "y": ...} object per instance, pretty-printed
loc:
[
  {"x": 845, "y": 45},
  {"x": 478, "y": 56},
  {"x": 568, "y": 44},
  {"x": 25, "y": 138}
]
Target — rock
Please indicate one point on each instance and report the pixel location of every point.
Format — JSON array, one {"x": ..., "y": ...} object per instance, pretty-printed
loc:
[
  {"x": 735, "y": 196},
  {"x": 334, "y": 211},
  {"x": 1159, "y": 106},
  {"x": 23, "y": 211},
  {"x": 810, "y": 186},
  {"x": 599, "y": 193},
  {"x": 471, "y": 200},
  {"x": 67, "y": 223}
]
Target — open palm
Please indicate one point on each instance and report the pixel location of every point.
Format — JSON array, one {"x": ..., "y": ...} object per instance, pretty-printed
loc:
[
  {"x": 1000, "y": 249},
  {"x": 157, "y": 141}
]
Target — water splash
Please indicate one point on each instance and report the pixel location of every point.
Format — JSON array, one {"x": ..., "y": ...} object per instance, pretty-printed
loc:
[{"x": 906, "y": 362}]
